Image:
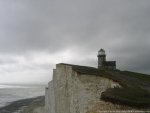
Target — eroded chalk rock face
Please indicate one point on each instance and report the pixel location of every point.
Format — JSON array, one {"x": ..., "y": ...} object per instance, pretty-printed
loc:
[
  {"x": 71, "y": 92},
  {"x": 49, "y": 98}
]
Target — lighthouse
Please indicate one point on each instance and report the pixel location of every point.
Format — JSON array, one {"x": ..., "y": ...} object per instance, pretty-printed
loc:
[{"x": 102, "y": 60}]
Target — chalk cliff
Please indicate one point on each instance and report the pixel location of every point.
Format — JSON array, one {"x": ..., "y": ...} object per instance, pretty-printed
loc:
[{"x": 73, "y": 92}]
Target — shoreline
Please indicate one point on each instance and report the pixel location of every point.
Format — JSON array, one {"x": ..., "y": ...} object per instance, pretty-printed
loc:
[{"x": 24, "y": 106}]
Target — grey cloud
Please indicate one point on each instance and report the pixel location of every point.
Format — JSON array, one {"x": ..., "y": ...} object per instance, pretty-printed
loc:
[
  {"x": 119, "y": 26},
  {"x": 7, "y": 61},
  {"x": 44, "y": 24}
]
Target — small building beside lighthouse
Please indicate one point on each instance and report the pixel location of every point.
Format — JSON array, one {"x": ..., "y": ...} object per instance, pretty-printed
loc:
[{"x": 102, "y": 63}]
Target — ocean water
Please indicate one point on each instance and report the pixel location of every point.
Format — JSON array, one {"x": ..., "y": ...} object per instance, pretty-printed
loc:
[{"x": 10, "y": 93}]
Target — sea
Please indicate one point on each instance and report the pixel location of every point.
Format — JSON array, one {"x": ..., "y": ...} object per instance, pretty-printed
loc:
[{"x": 10, "y": 93}]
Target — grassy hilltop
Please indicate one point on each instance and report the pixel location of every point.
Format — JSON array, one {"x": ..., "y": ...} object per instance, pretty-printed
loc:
[{"x": 135, "y": 90}]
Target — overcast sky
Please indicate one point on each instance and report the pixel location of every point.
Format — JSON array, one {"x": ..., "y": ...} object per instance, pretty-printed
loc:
[{"x": 37, "y": 34}]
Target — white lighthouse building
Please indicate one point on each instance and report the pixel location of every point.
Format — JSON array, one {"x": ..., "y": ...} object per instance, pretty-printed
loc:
[{"x": 102, "y": 60}]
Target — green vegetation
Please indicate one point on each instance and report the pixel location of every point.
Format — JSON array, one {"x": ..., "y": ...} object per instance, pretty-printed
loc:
[{"x": 135, "y": 90}]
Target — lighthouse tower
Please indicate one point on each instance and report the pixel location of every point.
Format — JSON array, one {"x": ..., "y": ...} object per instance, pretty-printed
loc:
[{"x": 101, "y": 58}]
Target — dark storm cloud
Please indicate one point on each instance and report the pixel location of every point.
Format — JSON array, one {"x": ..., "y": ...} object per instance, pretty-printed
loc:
[
  {"x": 37, "y": 25},
  {"x": 81, "y": 26}
]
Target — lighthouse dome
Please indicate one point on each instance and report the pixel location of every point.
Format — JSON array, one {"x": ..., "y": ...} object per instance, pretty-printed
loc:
[{"x": 101, "y": 52}]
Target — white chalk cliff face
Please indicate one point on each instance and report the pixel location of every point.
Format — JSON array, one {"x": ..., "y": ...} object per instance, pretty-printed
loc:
[{"x": 70, "y": 92}]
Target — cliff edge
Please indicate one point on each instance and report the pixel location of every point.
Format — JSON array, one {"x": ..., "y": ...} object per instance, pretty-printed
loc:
[{"x": 82, "y": 89}]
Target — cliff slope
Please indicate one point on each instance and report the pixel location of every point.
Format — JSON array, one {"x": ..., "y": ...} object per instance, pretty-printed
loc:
[{"x": 81, "y": 89}]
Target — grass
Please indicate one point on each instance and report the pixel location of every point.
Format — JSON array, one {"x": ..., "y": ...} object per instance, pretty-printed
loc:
[{"x": 135, "y": 90}]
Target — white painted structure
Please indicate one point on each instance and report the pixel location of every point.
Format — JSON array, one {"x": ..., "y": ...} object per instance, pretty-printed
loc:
[
  {"x": 102, "y": 63},
  {"x": 101, "y": 52}
]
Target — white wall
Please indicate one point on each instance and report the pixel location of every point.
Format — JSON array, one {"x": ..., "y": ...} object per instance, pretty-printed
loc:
[{"x": 70, "y": 92}]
